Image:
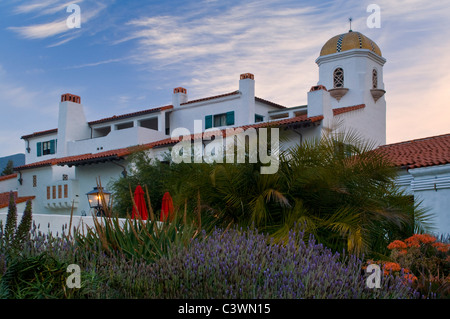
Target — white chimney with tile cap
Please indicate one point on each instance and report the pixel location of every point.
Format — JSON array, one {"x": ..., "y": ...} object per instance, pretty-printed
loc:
[{"x": 72, "y": 124}]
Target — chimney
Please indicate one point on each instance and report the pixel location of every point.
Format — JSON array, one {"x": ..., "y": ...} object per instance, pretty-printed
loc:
[
  {"x": 70, "y": 98},
  {"x": 247, "y": 89},
  {"x": 72, "y": 124},
  {"x": 179, "y": 96},
  {"x": 319, "y": 102}
]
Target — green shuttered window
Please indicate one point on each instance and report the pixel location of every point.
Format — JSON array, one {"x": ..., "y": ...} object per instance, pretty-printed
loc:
[
  {"x": 218, "y": 120},
  {"x": 46, "y": 148}
]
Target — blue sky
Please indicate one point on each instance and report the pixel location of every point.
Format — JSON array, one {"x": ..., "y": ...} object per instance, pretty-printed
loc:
[{"x": 129, "y": 55}]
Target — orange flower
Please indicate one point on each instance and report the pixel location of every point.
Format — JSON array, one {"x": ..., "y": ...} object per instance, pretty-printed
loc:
[
  {"x": 442, "y": 247},
  {"x": 410, "y": 277},
  {"x": 397, "y": 244},
  {"x": 391, "y": 266},
  {"x": 403, "y": 252},
  {"x": 417, "y": 239}
]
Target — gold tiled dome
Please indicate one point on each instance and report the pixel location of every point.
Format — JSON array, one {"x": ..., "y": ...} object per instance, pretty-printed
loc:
[{"x": 348, "y": 41}]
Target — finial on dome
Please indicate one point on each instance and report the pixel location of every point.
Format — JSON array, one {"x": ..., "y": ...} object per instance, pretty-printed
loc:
[{"x": 350, "y": 21}]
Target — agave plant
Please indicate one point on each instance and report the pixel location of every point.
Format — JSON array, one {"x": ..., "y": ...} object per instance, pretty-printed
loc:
[{"x": 136, "y": 238}]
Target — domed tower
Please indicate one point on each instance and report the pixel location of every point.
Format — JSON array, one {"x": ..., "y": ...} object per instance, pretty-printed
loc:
[{"x": 351, "y": 69}]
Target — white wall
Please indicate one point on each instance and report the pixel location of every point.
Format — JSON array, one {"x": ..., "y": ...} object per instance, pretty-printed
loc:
[
  {"x": 432, "y": 186},
  {"x": 32, "y": 156},
  {"x": 87, "y": 174},
  {"x": 54, "y": 223},
  {"x": 115, "y": 139},
  {"x": 9, "y": 184},
  {"x": 185, "y": 115}
]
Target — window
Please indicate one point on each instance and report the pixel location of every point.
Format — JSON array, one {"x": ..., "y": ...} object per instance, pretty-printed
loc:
[
  {"x": 374, "y": 79},
  {"x": 123, "y": 126},
  {"x": 343, "y": 149},
  {"x": 46, "y": 148},
  {"x": 338, "y": 78},
  {"x": 218, "y": 120},
  {"x": 34, "y": 181},
  {"x": 259, "y": 118}
]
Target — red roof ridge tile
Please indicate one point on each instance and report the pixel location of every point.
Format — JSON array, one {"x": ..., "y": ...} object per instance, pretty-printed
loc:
[
  {"x": 49, "y": 162},
  {"x": 270, "y": 103},
  {"x": 6, "y": 177},
  {"x": 4, "y": 199},
  {"x": 35, "y": 134},
  {"x": 346, "y": 109},
  {"x": 127, "y": 115},
  {"x": 211, "y": 97},
  {"x": 417, "y": 140}
]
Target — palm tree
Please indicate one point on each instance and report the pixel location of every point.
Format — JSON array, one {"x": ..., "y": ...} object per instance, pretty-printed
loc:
[{"x": 344, "y": 192}]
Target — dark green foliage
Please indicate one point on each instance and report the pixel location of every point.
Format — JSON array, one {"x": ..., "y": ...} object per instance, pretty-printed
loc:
[
  {"x": 9, "y": 168},
  {"x": 148, "y": 240},
  {"x": 13, "y": 236},
  {"x": 147, "y": 172},
  {"x": 11, "y": 222},
  {"x": 40, "y": 276},
  {"x": 23, "y": 230}
]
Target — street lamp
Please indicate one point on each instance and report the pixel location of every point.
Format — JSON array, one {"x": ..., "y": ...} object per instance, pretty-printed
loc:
[{"x": 96, "y": 201}]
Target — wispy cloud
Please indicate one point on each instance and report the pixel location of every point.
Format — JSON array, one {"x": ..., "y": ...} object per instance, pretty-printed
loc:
[
  {"x": 275, "y": 43},
  {"x": 279, "y": 44},
  {"x": 57, "y": 26},
  {"x": 86, "y": 65},
  {"x": 40, "y": 31},
  {"x": 34, "y": 6}
]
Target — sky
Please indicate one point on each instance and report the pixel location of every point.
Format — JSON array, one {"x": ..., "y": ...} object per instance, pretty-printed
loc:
[{"x": 128, "y": 56}]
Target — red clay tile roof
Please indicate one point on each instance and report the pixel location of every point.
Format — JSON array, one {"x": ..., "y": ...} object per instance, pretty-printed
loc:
[
  {"x": 40, "y": 133},
  {"x": 269, "y": 102},
  {"x": 97, "y": 157},
  {"x": 422, "y": 152},
  {"x": 124, "y": 116},
  {"x": 49, "y": 162},
  {"x": 211, "y": 97},
  {"x": 4, "y": 199},
  {"x": 298, "y": 119},
  {"x": 6, "y": 177},
  {"x": 346, "y": 109}
]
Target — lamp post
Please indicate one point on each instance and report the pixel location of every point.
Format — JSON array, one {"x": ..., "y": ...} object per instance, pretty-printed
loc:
[{"x": 96, "y": 201}]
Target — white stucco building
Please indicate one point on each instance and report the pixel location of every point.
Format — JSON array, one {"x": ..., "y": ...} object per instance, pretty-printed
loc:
[{"x": 63, "y": 163}]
